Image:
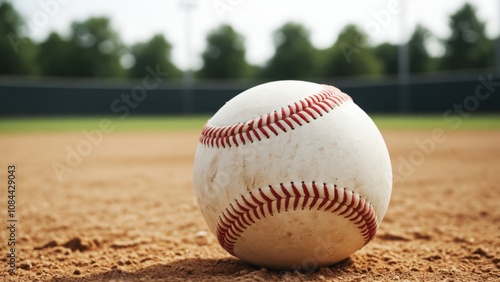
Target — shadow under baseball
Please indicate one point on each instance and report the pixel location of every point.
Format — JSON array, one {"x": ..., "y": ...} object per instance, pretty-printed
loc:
[{"x": 196, "y": 268}]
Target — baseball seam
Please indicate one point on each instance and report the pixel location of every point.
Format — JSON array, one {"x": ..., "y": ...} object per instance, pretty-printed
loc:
[
  {"x": 241, "y": 214},
  {"x": 287, "y": 118}
]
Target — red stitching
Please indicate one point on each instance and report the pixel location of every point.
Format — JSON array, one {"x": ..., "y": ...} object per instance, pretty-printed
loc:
[
  {"x": 234, "y": 221},
  {"x": 298, "y": 113}
]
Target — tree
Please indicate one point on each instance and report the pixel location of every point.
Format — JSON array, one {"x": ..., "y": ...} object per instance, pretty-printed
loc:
[
  {"x": 155, "y": 52},
  {"x": 95, "y": 49},
  {"x": 294, "y": 57},
  {"x": 53, "y": 55},
  {"x": 387, "y": 54},
  {"x": 351, "y": 55},
  {"x": 16, "y": 50},
  {"x": 420, "y": 60},
  {"x": 224, "y": 56},
  {"x": 467, "y": 47}
]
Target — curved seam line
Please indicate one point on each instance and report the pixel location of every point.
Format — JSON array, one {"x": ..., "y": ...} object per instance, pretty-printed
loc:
[
  {"x": 297, "y": 113},
  {"x": 256, "y": 206}
]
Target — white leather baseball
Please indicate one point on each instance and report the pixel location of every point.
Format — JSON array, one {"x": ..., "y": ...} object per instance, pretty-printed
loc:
[{"x": 292, "y": 174}]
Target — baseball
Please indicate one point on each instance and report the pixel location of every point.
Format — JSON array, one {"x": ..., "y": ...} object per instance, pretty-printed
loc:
[{"x": 292, "y": 175}]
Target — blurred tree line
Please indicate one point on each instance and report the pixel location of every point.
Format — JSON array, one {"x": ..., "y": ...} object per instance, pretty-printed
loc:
[{"x": 94, "y": 49}]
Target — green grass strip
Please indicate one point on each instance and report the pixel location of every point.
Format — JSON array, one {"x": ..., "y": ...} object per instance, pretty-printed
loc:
[
  {"x": 71, "y": 124},
  {"x": 196, "y": 123},
  {"x": 451, "y": 122}
]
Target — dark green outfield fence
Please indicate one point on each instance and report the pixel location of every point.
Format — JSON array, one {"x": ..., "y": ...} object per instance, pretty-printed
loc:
[{"x": 478, "y": 92}]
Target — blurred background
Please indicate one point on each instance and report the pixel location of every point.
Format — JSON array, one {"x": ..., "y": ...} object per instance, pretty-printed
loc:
[{"x": 150, "y": 57}]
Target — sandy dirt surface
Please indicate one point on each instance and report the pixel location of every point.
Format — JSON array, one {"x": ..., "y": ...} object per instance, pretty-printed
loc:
[{"x": 126, "y": 211}]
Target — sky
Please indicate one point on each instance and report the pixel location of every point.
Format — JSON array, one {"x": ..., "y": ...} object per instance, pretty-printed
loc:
[{"x": 383, "y": 20}]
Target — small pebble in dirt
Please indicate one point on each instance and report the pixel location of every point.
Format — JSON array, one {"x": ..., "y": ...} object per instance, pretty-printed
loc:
[
  {"x": 77, "y": 244},
  {"x": 473, "y": 257},
  {"x": 459, "y": 239},
  {"x": 200, "y": 234},
  {"x": 201, "y": 238},
  {"x": 50, "y": 244},
  {"x": 430, "y": 269},
  {"x": 393, "y": 237},
  {"x": 77, "y": 272},
  {"x": 481, "y": 252},
  {"x": 433, "y": 258},
  {"x": 244, "y": 272},
  {"x": 26, "y": 265},
  {"x": 422, "y": 236},
  {"x": 486, "y": 269}
]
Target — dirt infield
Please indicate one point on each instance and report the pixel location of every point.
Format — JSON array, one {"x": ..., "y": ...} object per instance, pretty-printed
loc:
[{"x": 126, "y": 211}]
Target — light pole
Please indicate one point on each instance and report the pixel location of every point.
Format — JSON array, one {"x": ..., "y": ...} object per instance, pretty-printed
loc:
[
  {"x": 403, "y": 61},
  {"x": 187, "y": 77},
  {"x": 497, "y": 49}
]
